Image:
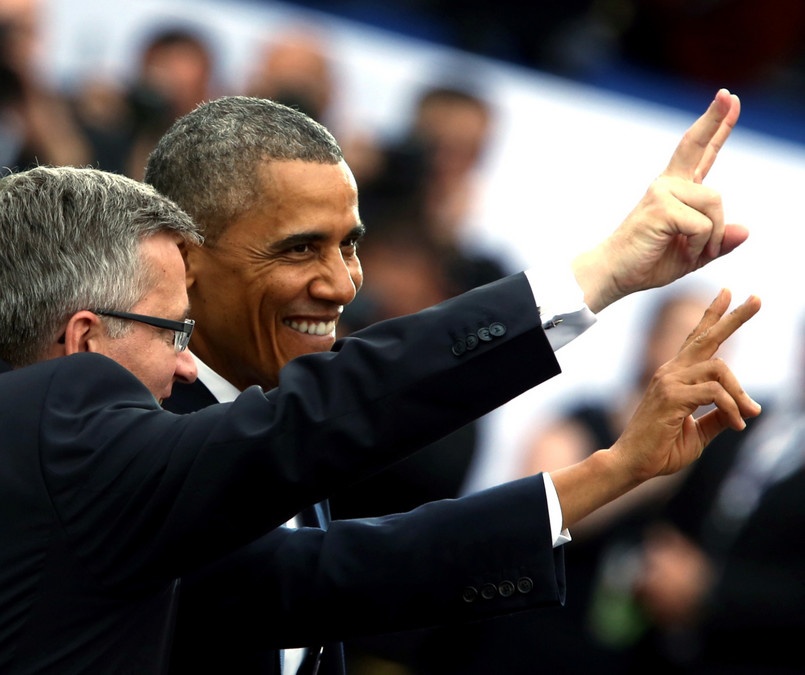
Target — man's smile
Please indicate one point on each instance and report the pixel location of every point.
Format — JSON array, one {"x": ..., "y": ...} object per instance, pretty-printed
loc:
[{"x": 311, "y": 327}]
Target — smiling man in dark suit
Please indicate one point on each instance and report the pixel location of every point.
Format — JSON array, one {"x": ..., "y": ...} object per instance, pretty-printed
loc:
[
  {"x": 106, "y": 499},
  {"x": 279, "y": 210}
]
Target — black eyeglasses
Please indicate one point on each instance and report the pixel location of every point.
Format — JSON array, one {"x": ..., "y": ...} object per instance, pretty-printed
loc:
[{"x": 182, "y": 330}]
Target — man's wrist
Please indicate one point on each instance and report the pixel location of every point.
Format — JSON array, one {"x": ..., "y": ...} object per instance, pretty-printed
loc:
[
  {"x": 591, "y": 269},
  {"x": 590, "y": 484}
]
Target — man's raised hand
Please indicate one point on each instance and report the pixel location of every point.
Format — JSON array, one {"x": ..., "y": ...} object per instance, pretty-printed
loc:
[
  {"x": 676, "y": 228},
  {"x": 663, "y": 437}
]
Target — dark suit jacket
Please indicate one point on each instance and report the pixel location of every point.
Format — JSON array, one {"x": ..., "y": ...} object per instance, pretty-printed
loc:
[
  {"x": 106, "y": 499},
  {"x": 203, "y": 608},
  {"x": 313, "y": 588}
]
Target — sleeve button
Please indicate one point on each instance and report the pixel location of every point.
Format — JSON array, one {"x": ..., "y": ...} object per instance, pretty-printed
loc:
[
  {"x": 469, "y": 594},
  {"x": 506, "y": 589},
  {"x": 497, "y": 329},
  {"x": 488, "y": 591}
]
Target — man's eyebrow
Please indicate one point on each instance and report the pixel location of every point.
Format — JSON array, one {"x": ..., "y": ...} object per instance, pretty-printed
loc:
[
  {"x": 296, "y": 239},
  {"x": 183, "y": 315},
  {"x": 310, "y": 237}
]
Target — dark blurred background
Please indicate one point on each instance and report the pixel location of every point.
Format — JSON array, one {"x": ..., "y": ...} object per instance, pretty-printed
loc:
[{"x": 667, "y": 51}]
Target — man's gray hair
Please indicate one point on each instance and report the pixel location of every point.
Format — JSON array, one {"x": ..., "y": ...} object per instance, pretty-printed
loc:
[
  {"x": 70, "y": 239},
  {"x": 208, "y": 160}
]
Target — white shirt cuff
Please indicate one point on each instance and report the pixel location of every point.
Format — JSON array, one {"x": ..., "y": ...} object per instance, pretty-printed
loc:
[
  {"x": 562, "y": 311},
  {"x": 558, "y": 535}
]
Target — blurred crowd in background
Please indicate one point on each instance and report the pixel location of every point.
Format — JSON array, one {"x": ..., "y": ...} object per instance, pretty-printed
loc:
[
  {"x": 701, "y": 571},
  {"x": 658, "y": 49},
  {"x": 670, "y": 51}
]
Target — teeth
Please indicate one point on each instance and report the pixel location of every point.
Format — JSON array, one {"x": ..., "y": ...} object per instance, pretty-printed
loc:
[{"x": 312, "y": 328}]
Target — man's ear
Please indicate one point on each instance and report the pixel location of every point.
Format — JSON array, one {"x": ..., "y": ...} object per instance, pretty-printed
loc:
[
  {"x": 190, "y": 254},
  {"x": 85, "y": 332}
]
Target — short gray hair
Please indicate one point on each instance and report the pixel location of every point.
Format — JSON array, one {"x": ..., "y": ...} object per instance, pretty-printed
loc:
[
  {"x": 208, "y": 160},
  {"x": 70, "y": 239}
]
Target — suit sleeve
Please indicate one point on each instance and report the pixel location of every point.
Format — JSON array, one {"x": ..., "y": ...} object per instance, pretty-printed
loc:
[
  {"x": 446, "y": 562},
  {"x": 139, "y": 491}
]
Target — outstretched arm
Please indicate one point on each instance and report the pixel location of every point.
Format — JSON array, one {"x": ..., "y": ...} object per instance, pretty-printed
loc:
[
  {"x": 677, "y": 227},
  {"x": 663, "y": 437}
]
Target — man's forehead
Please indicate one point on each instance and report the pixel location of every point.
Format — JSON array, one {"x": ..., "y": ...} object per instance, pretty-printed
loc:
[
  {"x": 298, "y": 198},
  {"x": 167, "y": 268},
  {"x": 302, "y": 175}
]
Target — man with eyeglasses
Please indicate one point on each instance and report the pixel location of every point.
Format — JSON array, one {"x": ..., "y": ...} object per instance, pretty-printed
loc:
[{"x": 106, "y": 499}]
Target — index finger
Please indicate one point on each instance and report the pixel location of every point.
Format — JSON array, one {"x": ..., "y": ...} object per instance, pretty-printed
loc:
[
  {"x": 715, "y": 328},
  {"x": 699, "y": 146},
  {"x": 717, "y": 142}
]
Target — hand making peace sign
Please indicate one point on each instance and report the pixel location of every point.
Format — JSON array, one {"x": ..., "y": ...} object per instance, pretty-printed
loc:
[
  {"x": 663, "y": 437},
  {"x": 677, "y": 227}
]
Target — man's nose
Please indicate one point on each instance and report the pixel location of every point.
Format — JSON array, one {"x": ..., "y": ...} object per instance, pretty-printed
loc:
[
  {"x": 336, "y": 280},
  {"x": 186, "y": 370}
]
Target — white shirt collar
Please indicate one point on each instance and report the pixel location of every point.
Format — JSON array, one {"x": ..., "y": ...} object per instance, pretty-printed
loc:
[{"x": 223, "y": 390}]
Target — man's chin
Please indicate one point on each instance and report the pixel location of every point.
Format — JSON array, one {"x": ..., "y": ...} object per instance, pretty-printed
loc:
[{"x": 310, "y": 344}]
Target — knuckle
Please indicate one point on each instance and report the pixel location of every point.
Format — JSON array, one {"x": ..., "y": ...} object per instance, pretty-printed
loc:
[
  {"x": 659, "y": 188},
  {"x": 663, "y": 385},
  {"x": 661, "y": 373}
]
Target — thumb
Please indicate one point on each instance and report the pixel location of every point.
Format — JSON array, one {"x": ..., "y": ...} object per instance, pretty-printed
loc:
[{"x": 734, "y": 236}]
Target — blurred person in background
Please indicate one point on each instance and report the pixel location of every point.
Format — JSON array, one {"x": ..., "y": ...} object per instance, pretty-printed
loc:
[
  {"x": 122, "y": 122},
  {"x": 719, "y": 583},
  {"x": 176, "y": 74},
  {"x": 106, "y": 119},
  {"x": 433, "y": 172},
  {"x": 295, "y": 69},
  {"x": 36, "y": 123}
]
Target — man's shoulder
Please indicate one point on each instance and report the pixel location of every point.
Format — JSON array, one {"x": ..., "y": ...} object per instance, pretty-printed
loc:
[
  {"x": 69, "y": 376},
  {"x": 86, "y": 363}
]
